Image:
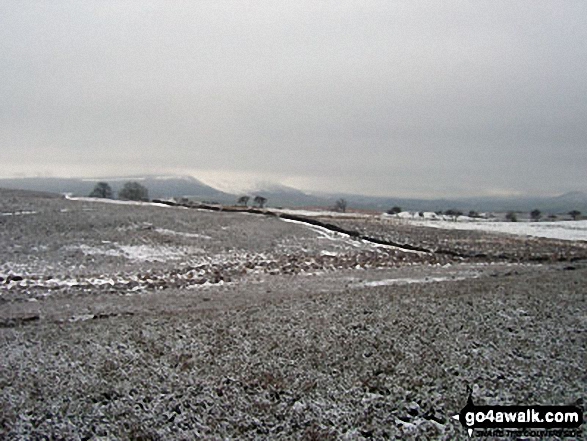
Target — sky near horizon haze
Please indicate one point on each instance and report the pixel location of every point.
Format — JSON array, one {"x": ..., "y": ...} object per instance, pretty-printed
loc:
[{"x": 390, "y": 98}]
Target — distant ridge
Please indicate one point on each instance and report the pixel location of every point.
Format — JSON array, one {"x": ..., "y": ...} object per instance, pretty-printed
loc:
[
  {"x": 158, "y": 186},
  {"x": 283, "y": 195},
  {"x": 167, "y": 186},
  {"x": 547, "y": 205}
]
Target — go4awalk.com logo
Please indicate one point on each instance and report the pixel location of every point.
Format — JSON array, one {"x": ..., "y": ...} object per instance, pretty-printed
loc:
[{"x": 540, "y": 421}]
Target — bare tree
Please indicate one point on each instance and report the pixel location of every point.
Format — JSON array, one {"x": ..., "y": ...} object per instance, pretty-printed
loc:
[
  {"x": 243, "y": 200},
  {"x": 511, "y": 216},
  {"x": 454, "y": 213},
  {"x": 535, "y": 215},
  {"x": 340, "y": 205},
  {"x": 574, "y": 214},
  {"x": 133, "y": 191},
  {"x": 102, "y": 190},
  {"x": 260, "y": 201}
]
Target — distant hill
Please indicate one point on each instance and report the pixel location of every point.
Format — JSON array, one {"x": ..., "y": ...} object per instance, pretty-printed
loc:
[
  {"x": 572, "y": 200},
  {"x": 158, "y": 186},
  {"x": 555, "y": 205},
  {"x": 558, "y": 204},
  {"x": 380, "y": 203},
  {"x": 281, "y": 195}
]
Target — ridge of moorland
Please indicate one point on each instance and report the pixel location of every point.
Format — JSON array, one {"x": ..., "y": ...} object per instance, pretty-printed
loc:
[{"x": 279, "y": 195}]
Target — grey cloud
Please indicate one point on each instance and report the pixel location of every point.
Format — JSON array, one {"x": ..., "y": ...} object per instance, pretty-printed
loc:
[{"x": 368, "y": 97}]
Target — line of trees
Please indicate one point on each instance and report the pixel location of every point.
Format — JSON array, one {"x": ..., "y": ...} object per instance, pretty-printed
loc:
[
  {"x": 131, "y": 191},
  {"x": 510, "y": 216},
  {"x": 258, "y": 201},
  {"x": 536, "y": 215}
]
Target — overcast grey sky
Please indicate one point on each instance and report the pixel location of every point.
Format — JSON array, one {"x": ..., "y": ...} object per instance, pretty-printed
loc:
[{"x": 410, "y": 98}]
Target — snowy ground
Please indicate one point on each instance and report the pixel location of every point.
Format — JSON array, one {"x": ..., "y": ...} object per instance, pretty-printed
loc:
[
  {"x": 321, "y": 213},
  {"x": 137, "y": 321},
  {"x": 563, "y": 230}
]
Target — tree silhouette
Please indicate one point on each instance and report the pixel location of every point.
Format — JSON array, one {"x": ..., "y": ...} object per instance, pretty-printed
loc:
[
  {"x": 394, "y": 210},
  {"x": 260, "y": 201},
  {"x": 574, "y": 214},
  {"x": 340, "y": 205},
  {"x": 535, "y": 215},
  {"x": 102, "y": 190},
  {"x": 243, "y": 200},
  {"x": 454, "y": 213},
  {"x": 133, "y": 191},
  {"x": 511, "y": 216}
]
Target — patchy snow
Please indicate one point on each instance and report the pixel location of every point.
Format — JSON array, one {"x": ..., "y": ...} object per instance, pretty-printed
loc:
[
  {"x": 336, "y": 237},
  {"x": 325, "y": 233},
  {"x": 322, "y": 213},
  {"x": 409, "y": 280},
  {"x": 147, "y": 253},
  {"x": 116, "y": 201},
  {"x": 81, "y": 318},
  {"x": 18, "y": 213},
  {"x": 563, "y": 230},
  {"x": 405, "y": 215},
  {"x": 142, "y": 253},
  {"x": 428, "y": 215},
  {"x": 405, "y": 250},
  {"x": 180, "y": 233},
  {"x": 96, "y": 251}
]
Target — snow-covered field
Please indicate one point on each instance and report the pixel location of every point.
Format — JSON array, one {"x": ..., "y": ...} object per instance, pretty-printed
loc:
[
  {"x": 562, "y": 230},
  {"x": 140, "y": 321},
  {"x": 321, "y": 213}
]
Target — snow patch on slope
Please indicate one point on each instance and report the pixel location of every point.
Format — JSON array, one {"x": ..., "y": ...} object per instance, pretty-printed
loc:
[
  {"x": 141, "y": 253},
  {"x": 564, "y": 230},
  {"x": 115, "y": 201}
]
